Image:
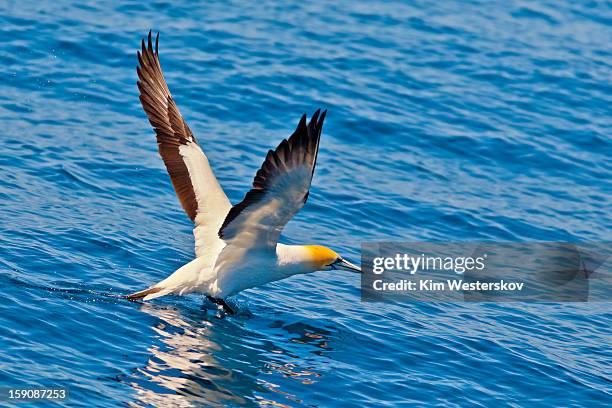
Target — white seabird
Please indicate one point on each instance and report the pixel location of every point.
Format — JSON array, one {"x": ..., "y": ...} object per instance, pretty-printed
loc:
[{"x": 236, "y": 247}]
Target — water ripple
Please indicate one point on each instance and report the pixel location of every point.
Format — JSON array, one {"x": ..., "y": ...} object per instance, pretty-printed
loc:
[{"x": 447, "y": 121}]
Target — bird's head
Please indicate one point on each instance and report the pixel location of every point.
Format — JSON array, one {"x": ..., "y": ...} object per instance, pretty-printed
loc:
[{"x": 324, "y": 259}]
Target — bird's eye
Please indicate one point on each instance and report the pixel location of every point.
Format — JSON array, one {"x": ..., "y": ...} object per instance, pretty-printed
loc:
[{"x": 336, "y": 262}]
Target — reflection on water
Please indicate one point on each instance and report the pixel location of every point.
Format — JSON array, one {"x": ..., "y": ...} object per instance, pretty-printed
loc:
[
  {"x": 197, "y": 359},
  {"x": 182, "y": 365}
]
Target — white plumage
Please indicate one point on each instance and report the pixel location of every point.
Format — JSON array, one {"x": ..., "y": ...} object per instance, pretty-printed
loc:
[{"x": 237, "y": 246}]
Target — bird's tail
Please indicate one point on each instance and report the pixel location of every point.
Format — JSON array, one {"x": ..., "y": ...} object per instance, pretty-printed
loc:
[
  {"x": 148, "y": 294},
  {"x": 181, "y": 282}
]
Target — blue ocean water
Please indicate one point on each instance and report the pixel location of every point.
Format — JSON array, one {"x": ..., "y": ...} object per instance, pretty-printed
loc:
[{"x": 448, "y": 121}]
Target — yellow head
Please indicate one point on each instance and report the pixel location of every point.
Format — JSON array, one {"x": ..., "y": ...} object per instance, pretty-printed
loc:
[
  {"x": 321, "y": 256},
  {"x": 324, "y": 259}
]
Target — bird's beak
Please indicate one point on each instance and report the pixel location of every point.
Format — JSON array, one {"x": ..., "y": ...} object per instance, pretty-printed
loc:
[{"x": 342, "y": 263}]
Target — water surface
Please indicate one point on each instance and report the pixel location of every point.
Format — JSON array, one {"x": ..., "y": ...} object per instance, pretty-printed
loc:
[{"x": 448, "y": 121}]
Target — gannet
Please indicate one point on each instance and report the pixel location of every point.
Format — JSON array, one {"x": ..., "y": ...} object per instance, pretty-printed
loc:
[{"x": 236, "y": 247}]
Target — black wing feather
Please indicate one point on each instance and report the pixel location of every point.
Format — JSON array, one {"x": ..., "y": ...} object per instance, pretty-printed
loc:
[
  {"x": 300, "y": 149},
  {"x": 166, "y": 119}
]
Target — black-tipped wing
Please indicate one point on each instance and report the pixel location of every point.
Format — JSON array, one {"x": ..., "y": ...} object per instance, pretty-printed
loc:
[
  {"x": 195, "y": 184},
  {"x": 279, "y": 191}
]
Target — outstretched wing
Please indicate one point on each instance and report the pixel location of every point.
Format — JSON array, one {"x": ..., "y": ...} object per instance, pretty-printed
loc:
[
  {"x": 279, "y": 191},
  {"x": 195, "y": 184}
]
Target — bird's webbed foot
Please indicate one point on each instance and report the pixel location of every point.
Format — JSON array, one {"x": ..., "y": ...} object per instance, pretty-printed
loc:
[{"x": 220, "y": 302}]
